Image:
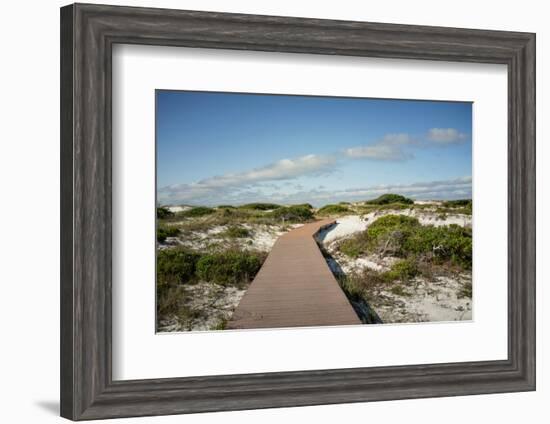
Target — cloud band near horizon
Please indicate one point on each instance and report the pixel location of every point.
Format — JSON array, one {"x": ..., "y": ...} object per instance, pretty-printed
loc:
[{"x": 264, "y": 183}]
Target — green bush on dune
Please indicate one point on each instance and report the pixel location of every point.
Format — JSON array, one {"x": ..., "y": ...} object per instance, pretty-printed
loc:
[
  {"x": 403, "y": 270},
  {"x": 196, "y": 212},
  {"x": 292, "y": 214},
  {"x": 236, "y": 231},
  {"x": 403, "y": 236},
  {"x": 229, "y": 267},
  {"x": 260, "y": 206},
  {"x": 369, "y": 241},
  {"x": 304, "y": 205},
  {"x": 163, "y": 213},
  {"x": 176, "y": 266},
  {"x": 386, "y": 199},
  {"x": 164, "y": 232},
  {"x": 180, "y": 265},
  {"x": 333, "y": 210},
  {"x": 387, "y": 207},
  {"x": 461, "y": 206},
  {"x": 457, "y": 203}
]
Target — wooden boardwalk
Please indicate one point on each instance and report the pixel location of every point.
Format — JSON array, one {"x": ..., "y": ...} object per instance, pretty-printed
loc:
[{"x": 294, "y": 287}]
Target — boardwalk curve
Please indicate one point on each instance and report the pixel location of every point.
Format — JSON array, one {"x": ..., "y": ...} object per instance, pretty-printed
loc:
[{"x": 294, "y": 287}]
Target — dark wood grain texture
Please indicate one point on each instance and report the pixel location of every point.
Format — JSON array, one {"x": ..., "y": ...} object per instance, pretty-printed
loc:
[{"x": 88, "y": 33}]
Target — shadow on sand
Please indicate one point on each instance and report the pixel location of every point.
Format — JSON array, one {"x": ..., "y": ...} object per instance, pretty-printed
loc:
[{"x": 364, "y": 311}]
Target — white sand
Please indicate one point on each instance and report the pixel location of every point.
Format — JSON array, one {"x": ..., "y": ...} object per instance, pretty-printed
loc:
[
  {"x": 262, "y": 237},
  {"x": 176, "y": 209},
  {"x": 425, "y": 217},
  {"x": 423, "y": 300},
  {"x": 426, "y": 301},
  {"x": 216, "y": 304},
  {"x": 427, "y": 202},
  {"x": 345, "y": 227}
]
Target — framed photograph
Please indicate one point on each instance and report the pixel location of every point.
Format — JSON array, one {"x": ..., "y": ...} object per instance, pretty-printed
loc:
[{"x": 263, "y": 211}]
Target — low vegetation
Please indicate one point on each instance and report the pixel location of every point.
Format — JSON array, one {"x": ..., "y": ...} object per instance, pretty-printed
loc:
[
  {"x": 196, "y": 212},
  {"x": 235, "y": 231},
  {"x": 298, "y": 213},
  {"x": 403, "y": 270},
  {"x": 232, "y": 267},
  {"x": 305, "y": 205},
  {"x": 164, "y": 232},
  {"x": 163, "y": 213},
  {"x": 178, "y": 268},
  {"x": 330, "y": 210},
  {"x": 463, "y": 206},
  {"x": 179, "y": 265},
  {"x": 466, "y": 290},
  {"x": 387, "y": 207},
  {"x": 386, "y": 199},
  {"x": 457, "y": 203},
  {"x": 403, "y": 236},
  {"x": 260, "y": 206},
  {"x": 220, "y": 256}
]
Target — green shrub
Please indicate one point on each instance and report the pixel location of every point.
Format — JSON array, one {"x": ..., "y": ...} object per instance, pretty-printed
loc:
[
  {"x": 460, "y": 206},
  {"x": 229, "y": 267},
  {"x": 175, "y": 266},
  {"x": 389, "y": 223},
  {"x": 387, "y": 234},
  {"x": 292, "y": 214},
  {"x": 403, "y": 236},
  {"x": 196, "y": 212},
  {"x": 357, "y": 285},
  {"x": 305, "y": 205},
  {"x": 163, "y": 213},
  {"x": 465, "y": 290},
  {"x": 398, "y": 290},
  {"x": 221, "y": 325},
  {"x": 352, "y": 286},
  {"x": 229, "y": 215},
  {"x": 226, "y": 207},
  {"x": 236, "y": 231},
  {"x": 457, "y": 203},
  {"x": 333, "y": 210},
  {"x": 390, "y": 198},
  {"x": 164, "y": 232},
  {"x": 170, "y": 300},
  {"x": 260, "y": 206},
  {"x": 354, "y": 246},
  {"x": 402, "y": 270},
  {"x": 449, "y": 243}
]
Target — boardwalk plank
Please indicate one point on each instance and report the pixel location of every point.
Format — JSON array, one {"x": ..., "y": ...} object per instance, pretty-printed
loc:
[{"x": 294, "y": 287}]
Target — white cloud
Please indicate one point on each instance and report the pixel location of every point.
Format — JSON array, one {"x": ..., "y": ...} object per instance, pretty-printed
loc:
[
  {"x": 281, "y": 170},
  {"x": 265, "y": 183},
  {"x": 397, "y": 147},
  {"x": 211, "y": 188},
  {"x": 389, "y": 148},
  {"x": 445, "y": 136},
  {"x": 424, "y": 190},
  {"x": 430, "y": 190}
]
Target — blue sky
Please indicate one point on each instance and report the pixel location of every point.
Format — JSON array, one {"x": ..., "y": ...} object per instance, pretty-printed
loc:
[{"x": 219, "y": 148}]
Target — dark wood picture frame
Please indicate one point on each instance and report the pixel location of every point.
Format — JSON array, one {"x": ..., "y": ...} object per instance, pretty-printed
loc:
[{"x": 88, "y": 33}]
